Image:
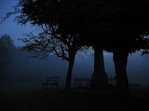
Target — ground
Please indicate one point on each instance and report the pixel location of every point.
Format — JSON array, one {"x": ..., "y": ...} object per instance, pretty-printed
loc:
[{"x": 75, "y": 100}]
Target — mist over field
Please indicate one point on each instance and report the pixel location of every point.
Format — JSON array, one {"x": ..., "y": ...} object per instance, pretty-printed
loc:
[{"x": 27, "y": 70}]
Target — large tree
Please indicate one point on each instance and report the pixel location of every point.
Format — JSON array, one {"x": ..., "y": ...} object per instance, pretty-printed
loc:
[
  {"x": 60, "y": 23},
  {"x": 93, "y": 34},
  {"x": 130, "y": 31},
  {"x": 107, "y": 20},
  {"x": 127, "y": 35},
  {"x": 65, "y": 21},
  {"x": 120, "y": 23}
]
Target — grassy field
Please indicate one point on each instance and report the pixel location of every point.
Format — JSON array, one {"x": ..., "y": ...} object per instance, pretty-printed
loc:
[{"x": 37, "y": 99}]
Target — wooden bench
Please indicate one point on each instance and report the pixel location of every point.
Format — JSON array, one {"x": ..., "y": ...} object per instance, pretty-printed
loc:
[
  {"x": 82, "y": 82},
  {"x": 51, "y": 81}
]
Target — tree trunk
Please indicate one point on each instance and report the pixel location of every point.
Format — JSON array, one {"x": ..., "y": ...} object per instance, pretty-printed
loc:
[
  {"x": 99, "y": 77},
  {"x": 69, "y": 71},
  {"x": 120, "y": 62}
]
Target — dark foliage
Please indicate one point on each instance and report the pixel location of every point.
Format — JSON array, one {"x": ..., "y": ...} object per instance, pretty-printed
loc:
[{"x": 116, "y": 26}]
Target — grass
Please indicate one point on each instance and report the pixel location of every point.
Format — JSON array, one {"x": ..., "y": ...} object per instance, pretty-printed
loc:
[{"x": 37, "y": 99}]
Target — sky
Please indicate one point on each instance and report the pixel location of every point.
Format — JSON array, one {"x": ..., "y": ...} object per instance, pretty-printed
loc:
[
  {"x": 138, "y": 67},
  {"x": 10, "y": 26}
]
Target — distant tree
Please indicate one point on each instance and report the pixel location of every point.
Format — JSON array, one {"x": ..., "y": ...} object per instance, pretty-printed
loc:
[{"x": 6, "y": 48}]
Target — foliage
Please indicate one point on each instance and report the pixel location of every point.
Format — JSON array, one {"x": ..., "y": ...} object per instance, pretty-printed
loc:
[
  {"x": 59, "y": 32},
  {"x": 120, "y": 22}
]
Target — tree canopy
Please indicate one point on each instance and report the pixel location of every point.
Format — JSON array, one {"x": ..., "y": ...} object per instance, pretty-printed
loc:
[
  {"x": 116, "y": 26},
  {"x": 120, "y": 22}
]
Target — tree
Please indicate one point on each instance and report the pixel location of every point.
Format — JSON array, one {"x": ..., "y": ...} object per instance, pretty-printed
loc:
[
  {"x": 130, "y": 38},
  {"x": 99, "y": 78},
  {"x": 60, "y": 33},
  {"x": 92, "y": 32},
  {"x": 6, "y": 48},
  {"x": 115, "y": 21},
  {"x": 72, "y": 22},
  {"x": 127, "y": 37}
]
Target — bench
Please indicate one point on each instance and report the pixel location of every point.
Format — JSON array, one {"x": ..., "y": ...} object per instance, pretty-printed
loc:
[
  {"x": 82, "y": 82},
  {"x": 51, "y": 81}
]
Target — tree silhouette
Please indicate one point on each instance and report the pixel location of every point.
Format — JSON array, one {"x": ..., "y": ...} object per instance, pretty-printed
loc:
[
  {"x": 6, "y": 48},
  {"x": 127, "y": 36},
  {"x": 91, "y": 33},
  {"x": 120, "y": 23},
  {"x": 132, "y": 31},
  {"x": 99, "y": 78},
  {"x": 65, "y": 23},
  {"x": 60, "y": 33},
  {"x": 92, "y": 23}
]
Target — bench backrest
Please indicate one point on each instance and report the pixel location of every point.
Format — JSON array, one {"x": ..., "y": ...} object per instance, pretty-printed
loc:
[
  {"x": 52, "y": 79},
  {"x": 81, "y": 82}
]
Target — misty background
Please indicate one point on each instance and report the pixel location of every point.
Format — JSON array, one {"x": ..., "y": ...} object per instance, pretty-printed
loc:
[
  {"x": 27, "y": 70},
  {"x": 24, "y": 69}
]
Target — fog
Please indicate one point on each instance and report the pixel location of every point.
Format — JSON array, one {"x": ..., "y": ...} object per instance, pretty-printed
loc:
[{"x": 26, "y": 70}]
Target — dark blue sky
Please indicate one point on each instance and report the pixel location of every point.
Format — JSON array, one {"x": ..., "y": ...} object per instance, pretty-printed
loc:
[
  {"x": 10, "y": 26},
  {"x": 138, "y": 67}
]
